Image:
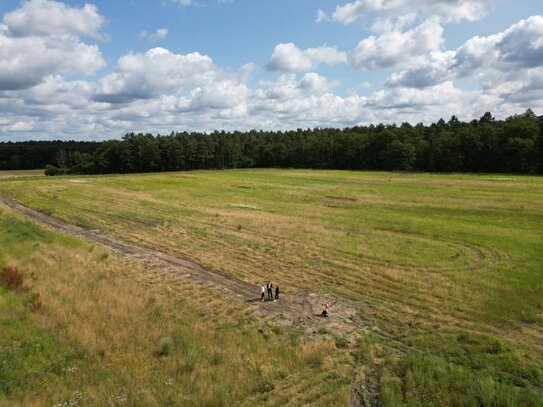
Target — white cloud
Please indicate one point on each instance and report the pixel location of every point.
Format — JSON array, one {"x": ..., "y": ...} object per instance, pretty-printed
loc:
[
  {"x": 158, "y": 35},
  {"x": 26, "y": 61},
  {"x": 155, "y": 73},
  {"x": 520, "y": 46},
  {"x": 448, "y": 10},
  {"x": 288, "y": 57},
  {"x": 47, "y": 17},
  {"x": 222, "y": 94},
  {"x": 495, "y": 60},
  {"x": 317, "y": 84},
  {"x": 161, "y": 91},
  {"x": 396, "y": 48},
  {"x": 185, "y": 2},
  {"x": 321, "y": 16},
  {"x": 188, "y": 3},
  {"x": 42, "y": 38}
]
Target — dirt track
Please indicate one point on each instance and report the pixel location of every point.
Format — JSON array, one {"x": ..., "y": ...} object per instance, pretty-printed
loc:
[{"x": 301, "y": 308}]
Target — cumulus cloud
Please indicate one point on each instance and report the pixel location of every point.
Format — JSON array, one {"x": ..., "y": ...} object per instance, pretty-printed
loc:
[
  {"x": 317, "y": 84},
  {"x": 494, "y": 60},
  {"x": 42, "y": 38},
  {"x": 448, "y": 10},
  {"x": 47, "y": 17},
  {"x": 26, "y": 61},
  {"x": 28, "y": 54},
  {"x": 155, "y": 73},
  {"x": 396, "y": 48},
  {"x": 158, "y": 35},
  {"x": 433, "y": 71},
  {"x": 520, "y": 46},
  {"x": 222, "y": 94},
  {"x": 288, "y": 57}
]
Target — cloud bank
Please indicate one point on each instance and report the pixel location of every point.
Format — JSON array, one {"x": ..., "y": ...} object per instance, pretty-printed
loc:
[{"x": 53, "y": 83}]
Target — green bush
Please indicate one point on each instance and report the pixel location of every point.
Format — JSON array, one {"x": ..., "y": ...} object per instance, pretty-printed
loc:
[
  {"x": 165, "y": 347},
  {"x": 51, "y": 170}
]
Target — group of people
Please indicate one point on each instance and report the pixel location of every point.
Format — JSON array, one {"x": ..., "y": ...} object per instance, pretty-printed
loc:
[{"x": 268, "y": 287}]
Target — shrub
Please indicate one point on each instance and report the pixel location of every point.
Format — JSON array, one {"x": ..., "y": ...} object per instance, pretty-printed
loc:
[
  {"x": 12, "y": 279},
  {"x": 496, "y": 346},
  {"x": 165, "y": 347},
  {"x": 265, "y": 387},
  {"x": 51, "y": 170},
  {"x": 47, "y": 210},
  {"x": 342, "y": 342}
]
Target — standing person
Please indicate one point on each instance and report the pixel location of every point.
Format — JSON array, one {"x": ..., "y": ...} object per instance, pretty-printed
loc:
[
  {"x": 276, "y": 292},
  {"x": 270, "y": 287},
  {"x": 263, "y": 290}
]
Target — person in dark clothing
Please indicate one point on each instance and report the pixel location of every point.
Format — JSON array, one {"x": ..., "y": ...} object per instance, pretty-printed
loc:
[{"x": 276, "y": 292}]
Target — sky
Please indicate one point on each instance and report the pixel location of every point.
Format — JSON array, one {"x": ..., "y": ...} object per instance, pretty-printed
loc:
[{"x": 98, "y": 70}]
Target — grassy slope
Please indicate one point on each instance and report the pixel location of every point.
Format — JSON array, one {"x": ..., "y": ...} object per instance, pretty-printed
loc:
[
  {"x": 112, "y": 333},
  {"x": 448, "y": 263}
]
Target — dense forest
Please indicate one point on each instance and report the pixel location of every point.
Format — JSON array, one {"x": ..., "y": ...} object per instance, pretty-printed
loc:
[{"x": 513, "y": 145}]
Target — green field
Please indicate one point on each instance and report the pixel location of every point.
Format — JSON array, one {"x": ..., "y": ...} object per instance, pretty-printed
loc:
[{"x": 450, "y": 267}]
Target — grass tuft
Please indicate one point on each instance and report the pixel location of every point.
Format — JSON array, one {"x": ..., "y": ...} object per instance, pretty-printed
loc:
[{"x": 165, "y": 346}]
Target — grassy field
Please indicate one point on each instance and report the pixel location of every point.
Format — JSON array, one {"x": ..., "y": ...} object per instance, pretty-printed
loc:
[
  {"x": 21, "y": 173},
  {"x": 449, "y": 266},
  {"x": 91, "y": 330}
]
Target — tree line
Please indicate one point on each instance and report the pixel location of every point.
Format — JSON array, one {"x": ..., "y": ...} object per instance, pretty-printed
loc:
[{"x": 512, "y": 145}]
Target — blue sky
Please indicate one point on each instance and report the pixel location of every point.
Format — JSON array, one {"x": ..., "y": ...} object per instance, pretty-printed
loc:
[{"x": 72, "y": 70}]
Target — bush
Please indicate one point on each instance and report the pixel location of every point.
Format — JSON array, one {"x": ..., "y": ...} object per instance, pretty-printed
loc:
[
  {"x": 12, "y": 279},
  {"x": 165, "y": 347},
  {"x": 342, "y": 342},
  {"x": 265, "y": 387},
  {"x": 51, "y": 170},
  {"x": 495, "y": 346}
]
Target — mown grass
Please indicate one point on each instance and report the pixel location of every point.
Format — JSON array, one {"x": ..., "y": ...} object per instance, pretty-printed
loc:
[
  {"x": 21, "y": 173},
  {"x": 431, "y": 257},
  {"x": 111, "y": 333}
]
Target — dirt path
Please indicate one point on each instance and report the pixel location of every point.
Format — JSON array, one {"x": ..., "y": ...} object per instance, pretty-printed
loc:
[{"x": 301, "y": 309}]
